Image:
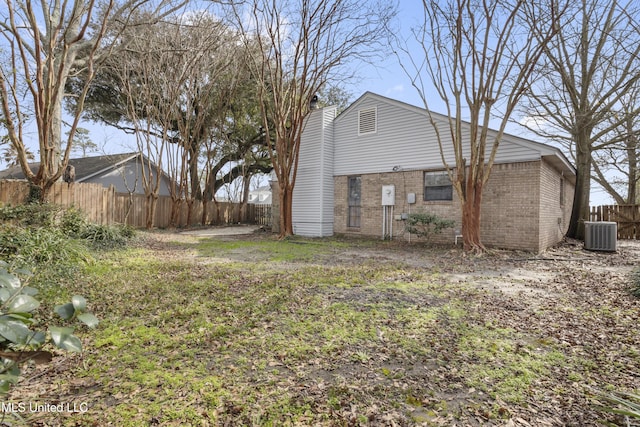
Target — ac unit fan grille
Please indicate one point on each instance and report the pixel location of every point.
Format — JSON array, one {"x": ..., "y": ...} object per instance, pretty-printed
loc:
[{"x": 601, "y": 236}]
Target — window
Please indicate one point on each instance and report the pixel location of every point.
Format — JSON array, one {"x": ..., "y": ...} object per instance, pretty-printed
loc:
[
  {"x": 437, "y": 186},
  {"x": 562, "y": 191},
  {"x": 354, "y": 202},
  {"x": 367, "y": 121}
]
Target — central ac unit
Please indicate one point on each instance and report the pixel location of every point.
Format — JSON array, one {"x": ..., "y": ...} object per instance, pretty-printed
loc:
[{"x": 601, "y": 236}]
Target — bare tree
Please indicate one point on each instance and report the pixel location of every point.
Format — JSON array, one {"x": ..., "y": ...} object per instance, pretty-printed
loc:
[
  {"x": 480, "y": 56},
  {"x": 616, "y": 166},
  {"x": 44, "y": 43},
  {"x": 200, "y": 54},
  {"x": 302, "y": 45},
  {"x": 588, "y": 69},
  {"x": 147, "y": 86},
  {"x": 200, "y": 84}
]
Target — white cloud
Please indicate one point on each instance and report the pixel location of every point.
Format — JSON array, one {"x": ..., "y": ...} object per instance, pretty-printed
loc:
[{"x": 399, "y": 88}]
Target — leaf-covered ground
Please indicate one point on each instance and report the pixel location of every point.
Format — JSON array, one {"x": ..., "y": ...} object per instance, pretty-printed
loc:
[{"x": 253, "y": 331}]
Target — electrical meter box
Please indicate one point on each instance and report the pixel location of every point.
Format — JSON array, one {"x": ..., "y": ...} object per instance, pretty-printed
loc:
[
  {"x": 388, "y": 195},
  {"x": 411, "y": 198}
]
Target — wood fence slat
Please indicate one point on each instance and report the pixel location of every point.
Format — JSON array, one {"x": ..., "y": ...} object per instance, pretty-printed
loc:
[
  {"x": 105, "y": 206},
  {"x": 626, "y": 216}
]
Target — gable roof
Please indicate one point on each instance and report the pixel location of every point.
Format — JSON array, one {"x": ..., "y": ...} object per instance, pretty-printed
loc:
[
  {"x": 86, "y": 167},
  {"x": 550, "y": 153}
]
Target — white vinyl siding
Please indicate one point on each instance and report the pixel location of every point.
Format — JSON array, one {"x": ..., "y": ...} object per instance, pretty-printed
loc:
[
  {"x": 404, "y": 137},
  {"x": 313, "y": 192}
]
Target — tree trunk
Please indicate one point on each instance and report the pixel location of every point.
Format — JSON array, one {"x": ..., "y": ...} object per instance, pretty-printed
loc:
[
  {"x": 196, "y": 189},
  {"x": 286, "y": 209},
  {"x": 152, "y": 202},
  {"x": 205, "y": 207},
  {"x": 190, "y": 202},
  {"x": 245, "y": 197},
  {"x": 632, "y": 158},
  {"x": 471, "y": 206},
  {"x": 580, "y": 207},
  {"x": 176, "y": 205}
]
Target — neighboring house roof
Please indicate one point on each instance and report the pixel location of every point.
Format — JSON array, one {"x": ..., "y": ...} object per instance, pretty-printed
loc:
[
  {"x": 261, "y": 195},
  {"x": 123, "y": 171},
  {"x": 86, "y": 167},
  {"x": 552, "y": 154}
]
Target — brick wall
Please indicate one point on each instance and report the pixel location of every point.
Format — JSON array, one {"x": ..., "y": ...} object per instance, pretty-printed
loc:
[
  {"x": 511, "y": 213},
  {"x": 510, "y": 209},
  {"x": 372, "y": 211},
  {"x": 554, "y": 216}
]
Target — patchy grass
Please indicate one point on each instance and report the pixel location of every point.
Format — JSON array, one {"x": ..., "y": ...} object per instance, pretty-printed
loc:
[
  {"x": 287, "y": 250},
  {"x": 298, "y": 335}
]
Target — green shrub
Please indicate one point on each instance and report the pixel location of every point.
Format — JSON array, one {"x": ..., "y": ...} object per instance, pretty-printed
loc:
[
  {"x": 49, "y": 246},
  {"x": 73, "y": 222},
  {"x": 47, "y": 251},
  {"x": 20, "y": 341},
  {"x": 70, "y": 222},
  {"x": 127, "y": 231},
  {"x": 31, "y": 215},
  {"x": 103, "y": 235},
  {"x": 425, "y": 224},
  {"x": 28, "y": 247}
]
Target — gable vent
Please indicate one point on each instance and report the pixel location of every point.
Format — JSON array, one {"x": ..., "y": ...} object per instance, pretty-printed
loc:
[{"x": 367, "y": 121}]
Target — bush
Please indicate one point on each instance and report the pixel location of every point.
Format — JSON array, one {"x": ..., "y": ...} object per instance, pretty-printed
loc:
[
  {"x": 53, "y": 240},
  {"x": 59, "y": 223},
  {"x": 20, "y": 342},
  {"x": 31, "y": 215},
  {"x": 56, "y": 256},
  {"x": 425, "y": 224},
  {"x": 73, "y": 222},
  {"x": 103, "y": 235}
]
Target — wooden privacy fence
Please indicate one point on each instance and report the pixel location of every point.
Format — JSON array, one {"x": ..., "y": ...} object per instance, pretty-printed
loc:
[
  {"x": 105, "y": 206},
  {"x": 626, "y": 216},
  {"x": 96, "y": 201}
]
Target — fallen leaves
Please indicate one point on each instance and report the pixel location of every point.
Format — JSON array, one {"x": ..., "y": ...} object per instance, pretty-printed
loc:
[{"x": 418, "y": 337}]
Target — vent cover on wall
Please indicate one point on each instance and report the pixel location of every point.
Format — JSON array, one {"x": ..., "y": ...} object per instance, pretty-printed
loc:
[
  {"x": 600, "y": 236},
  {"x": 367, "y": 121}
]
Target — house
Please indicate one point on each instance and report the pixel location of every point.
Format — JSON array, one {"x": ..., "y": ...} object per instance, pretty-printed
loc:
[
  {"x": 123, "y": 171},
  {"x": 261, "y": 195},
  {"x": 362, "y": 171}
]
